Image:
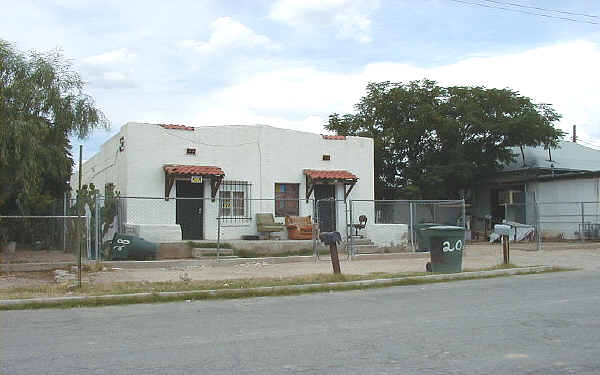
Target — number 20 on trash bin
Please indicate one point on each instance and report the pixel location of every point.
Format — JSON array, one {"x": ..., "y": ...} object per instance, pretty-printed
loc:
[
  {"x": 458, "y": 245},
  {"x": 122, "y": 243}
]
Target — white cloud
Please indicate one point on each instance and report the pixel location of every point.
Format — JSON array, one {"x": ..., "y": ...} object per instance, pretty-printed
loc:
[
  {"x": 302, "y": 98},
  {"x": 117, "y": 56},
  {"x": 351, "y": 19},
  {"x": 228, "y": 33},
  {"x": 110, "y": 70}
]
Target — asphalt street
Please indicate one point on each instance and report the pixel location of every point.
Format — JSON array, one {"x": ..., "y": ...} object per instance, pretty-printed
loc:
[{"x": 535, "y": 324}]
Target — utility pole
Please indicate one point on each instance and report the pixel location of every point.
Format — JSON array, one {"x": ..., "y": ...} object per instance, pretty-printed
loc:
[{"x": 574, "y": 133}]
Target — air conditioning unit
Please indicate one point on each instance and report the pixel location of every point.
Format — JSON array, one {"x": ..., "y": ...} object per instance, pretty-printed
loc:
[{"x": 510, "y": 197}]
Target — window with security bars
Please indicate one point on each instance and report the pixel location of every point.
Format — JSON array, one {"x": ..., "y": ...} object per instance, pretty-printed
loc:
[
  {"x": 286, "y": 199},
  {"x": 234, "y": 201}
]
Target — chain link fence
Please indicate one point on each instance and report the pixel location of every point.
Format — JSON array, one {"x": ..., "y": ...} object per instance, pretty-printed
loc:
[
  {"x": 44, "y": 239},
  {"x": 545, "y": 225},
  {"x": 393, "y": 225},
  {"x": 521, "y": 214},
  {"x": 568, "y": 224}
]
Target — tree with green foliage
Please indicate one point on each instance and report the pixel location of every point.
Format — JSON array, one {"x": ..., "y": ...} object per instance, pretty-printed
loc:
[
  {"x": 42, "y": 104},
  {"x": 433, "y": 142}
]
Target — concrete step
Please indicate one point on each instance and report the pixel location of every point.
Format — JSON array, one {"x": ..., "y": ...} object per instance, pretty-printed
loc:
[
  {"x": 366, "y": 249},
  {"x": 198, "y": 252},
  {"x": 361, "y": 241}
]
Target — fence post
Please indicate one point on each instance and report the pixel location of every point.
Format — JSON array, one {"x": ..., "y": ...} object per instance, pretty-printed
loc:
[
  {"x": 218, "y": 237},
  {"x": 582, "y": 229},
  {"x": 88, "y": 231},
  {"x": 349, "y": 227},
  {"x": 411, "y": 222},
  {"x": 539, "y": 225},
  {"x": 315, "y": 229},
  {"x": 81, "y": 239},
  {"x": 64, "y": 222},
  {"x": 464, "y": 219},
  {"x": 97, "y": 226}
]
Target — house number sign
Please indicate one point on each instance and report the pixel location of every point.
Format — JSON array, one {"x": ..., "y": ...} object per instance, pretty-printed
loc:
[
  {"x": 458, "y": 245},
  {"x": 121, "y": 244},
  {"x": 196, "y": 179}
]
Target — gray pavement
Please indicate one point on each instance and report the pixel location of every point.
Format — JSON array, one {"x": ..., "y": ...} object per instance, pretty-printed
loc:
[{"x": 535, "y": 324}]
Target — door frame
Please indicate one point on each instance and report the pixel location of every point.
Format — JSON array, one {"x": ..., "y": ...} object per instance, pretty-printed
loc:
[
  {"x": 178, "y": 194},
  {"x": 334, "y": 210}
]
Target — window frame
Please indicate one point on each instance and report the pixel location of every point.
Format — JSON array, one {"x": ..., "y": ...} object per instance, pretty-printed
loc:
[
  {"x": 227, "y": 192},
  {"x": 280, "y": 199}
]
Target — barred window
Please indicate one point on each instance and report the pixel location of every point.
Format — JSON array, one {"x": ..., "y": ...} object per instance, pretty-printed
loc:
[
  {"x": 286, "y": 199},
  {"x": 234, "y": 200}
]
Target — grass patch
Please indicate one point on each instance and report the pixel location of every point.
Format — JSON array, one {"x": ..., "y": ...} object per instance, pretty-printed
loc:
[
  {"x": 96, "y": 289},
  {"x": 492, "y": 268},
  {"x": 235, "y": 293},
  {"x": 200, "y": 290}
]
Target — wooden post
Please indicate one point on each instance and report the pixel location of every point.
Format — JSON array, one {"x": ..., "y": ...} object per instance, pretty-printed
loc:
[
  {"x": 505, "y": 249},
  {"x": 335, "y": 261}
]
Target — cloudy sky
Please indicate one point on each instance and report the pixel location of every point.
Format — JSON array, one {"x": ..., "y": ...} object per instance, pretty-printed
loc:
[{"x": 291, "y": 63}]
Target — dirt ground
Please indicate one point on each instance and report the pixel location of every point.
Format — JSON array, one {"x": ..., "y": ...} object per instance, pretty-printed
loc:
[
  {"x": 42, "y": 256},
  {"x": 476, "y": 256}
]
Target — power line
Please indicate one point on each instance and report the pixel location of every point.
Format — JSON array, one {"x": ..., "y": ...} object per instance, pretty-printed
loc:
[
  {"x": 525, "y": 12},
  {"x": 542, "y": 9}
]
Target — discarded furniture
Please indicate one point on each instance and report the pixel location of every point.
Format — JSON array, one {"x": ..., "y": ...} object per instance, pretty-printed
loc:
[
  {"x": 362, "y": 223},
  {"x": 299, "y": 227},
  {"x": 265, "y": 223}
]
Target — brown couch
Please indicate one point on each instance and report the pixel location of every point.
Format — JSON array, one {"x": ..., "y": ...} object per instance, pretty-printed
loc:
[{"x": 299, "y": 227}]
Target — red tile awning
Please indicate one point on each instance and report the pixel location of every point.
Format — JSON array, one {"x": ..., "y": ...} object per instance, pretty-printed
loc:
[
  {"x": 194, "y": 170},
  {"x": 174, "y": 172},
  {"x": 334, "y": 137},
  {"x": 177, "y": 127},
  {"x": 330, "y": 175},
  {"x": 314, "y": 176}
]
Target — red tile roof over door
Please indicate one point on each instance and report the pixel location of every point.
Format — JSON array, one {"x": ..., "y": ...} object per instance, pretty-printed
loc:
[
  {"x": 194, "y": 170},
  {"x": 177, "y": 127},
  {"x": 334, "y": 137},
  {"x": 330, "y": 175}
]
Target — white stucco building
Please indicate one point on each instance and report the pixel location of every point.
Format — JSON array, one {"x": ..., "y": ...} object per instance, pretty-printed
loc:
[{"x": 239, "y": 171}]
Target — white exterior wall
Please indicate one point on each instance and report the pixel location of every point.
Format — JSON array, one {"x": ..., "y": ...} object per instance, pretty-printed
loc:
[
  {"x": 388, "y": 235},
  {"x": 261, "y": 155},
  {"x": 107, "y": 166},
  {"x": 556, "y": 199}
]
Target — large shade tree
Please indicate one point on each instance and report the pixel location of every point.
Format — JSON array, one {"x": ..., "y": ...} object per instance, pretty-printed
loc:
[
  {"x": 42, "y": 105},
  {"x": 433, "y": 142}
]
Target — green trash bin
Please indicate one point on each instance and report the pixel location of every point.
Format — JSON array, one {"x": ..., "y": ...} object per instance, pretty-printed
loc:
[
  {"x": 423, "y": 241},
  {"x": 124, "y": 247},
  {"x": 447, "y": 244}
]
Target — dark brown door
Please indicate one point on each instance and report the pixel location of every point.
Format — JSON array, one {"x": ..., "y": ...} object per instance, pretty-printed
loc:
[
  {"x": 326, "y": 208},
  {"x": 190, "y": 212}
]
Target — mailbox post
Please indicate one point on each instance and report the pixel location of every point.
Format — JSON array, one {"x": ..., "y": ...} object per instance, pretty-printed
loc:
[
  {"x": 332, "y": 239},
  {"x": 504, "y": 231}
]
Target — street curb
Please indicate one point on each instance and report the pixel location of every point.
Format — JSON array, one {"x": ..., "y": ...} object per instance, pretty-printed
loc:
[
  {"x": 131, "y": 264},
  {"x": 270, "y": 289}
]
